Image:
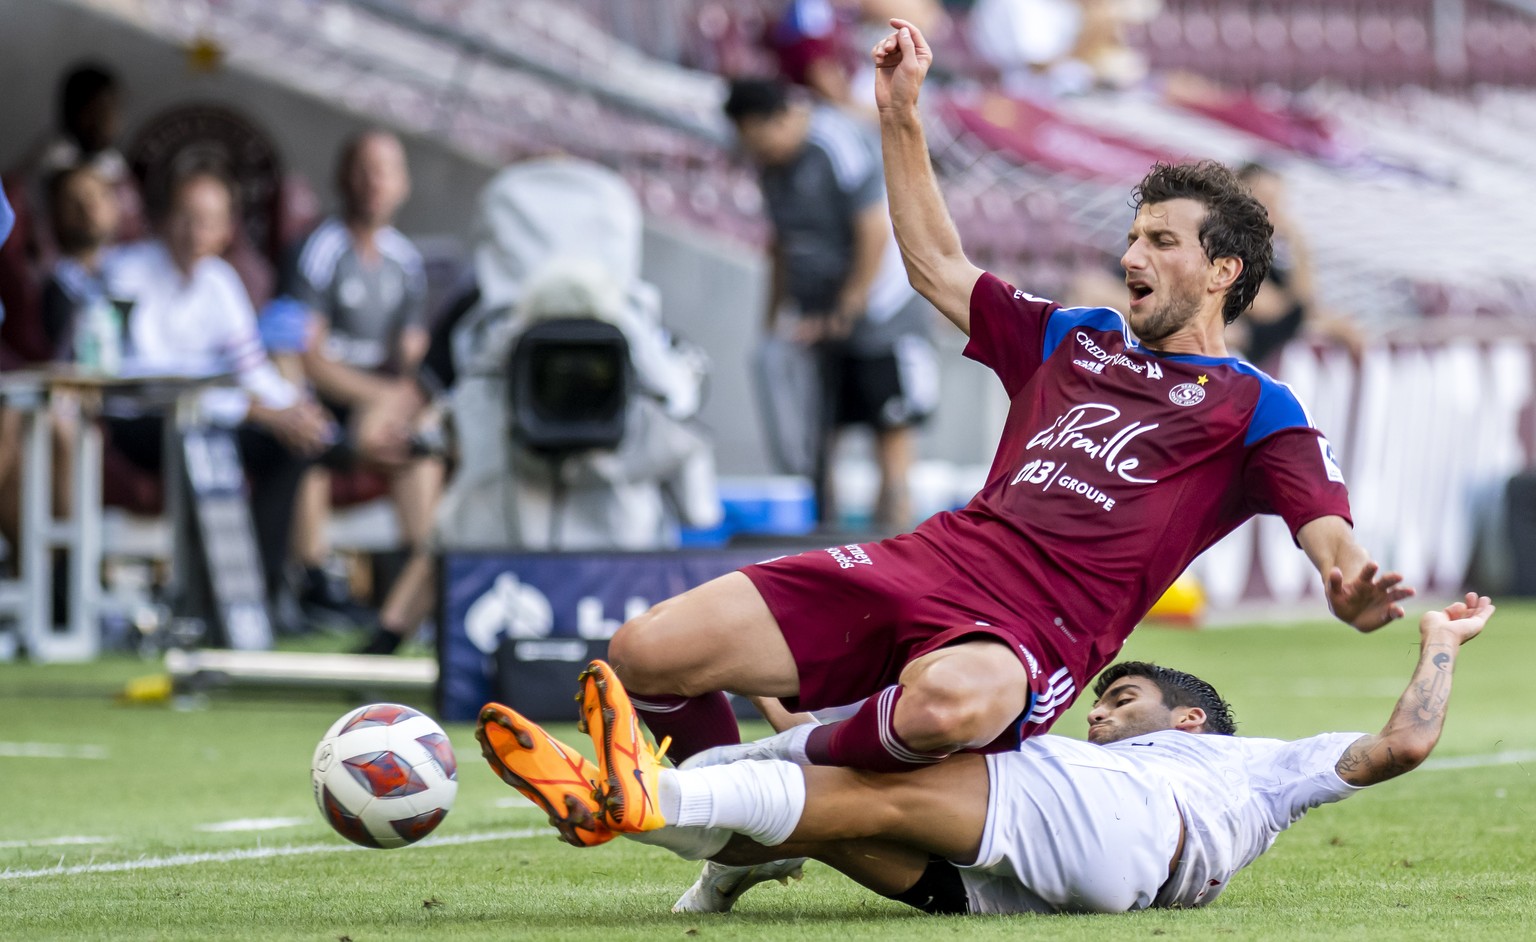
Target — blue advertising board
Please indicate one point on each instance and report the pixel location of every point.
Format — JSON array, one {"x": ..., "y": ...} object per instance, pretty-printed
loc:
[{"x": 548, "y": 607}]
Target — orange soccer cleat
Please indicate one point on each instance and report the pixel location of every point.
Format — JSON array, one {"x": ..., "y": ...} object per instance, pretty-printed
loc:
[
  {"x": 546, "y": 771},
  {"x": 630, "y": 767}
]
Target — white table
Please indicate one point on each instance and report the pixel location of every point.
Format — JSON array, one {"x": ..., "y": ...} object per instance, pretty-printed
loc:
[{"x": 29, "y": 596}]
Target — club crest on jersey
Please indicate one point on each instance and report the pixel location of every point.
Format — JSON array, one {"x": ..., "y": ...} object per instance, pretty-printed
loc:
[{"x": 1186, "y": 394}]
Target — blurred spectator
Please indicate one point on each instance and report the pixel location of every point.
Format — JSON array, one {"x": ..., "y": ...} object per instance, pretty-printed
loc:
[
  {"x": 85, "y": 214},
  {"x": 814, "y": 49},
  {"x": 366, "y": 283},
  {"x": 88, "y": 126},
  {"x": 822, "y": 45},
  {"x": 1286, "y": 306},
  {"x": 1058, "y": 46},
  {"x": 838, "y": 287},
  {"x": 190, "y": 314},
  {"x": 62, "y": 429},
  {"x": 90, "y": 122}
]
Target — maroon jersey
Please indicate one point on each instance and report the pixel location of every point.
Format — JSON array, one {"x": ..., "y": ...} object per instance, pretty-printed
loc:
[{"x": 1117, "y": 467}]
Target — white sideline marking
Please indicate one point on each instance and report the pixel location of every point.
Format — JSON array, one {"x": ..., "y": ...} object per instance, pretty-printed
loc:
[
  {"x": 56, "y": 841},
  {"x": 49, "y": 750},
  {"x": 1479, "y": 762},
  {"x": 252, "y": 824},
  {"x": 259, "y": 853}
]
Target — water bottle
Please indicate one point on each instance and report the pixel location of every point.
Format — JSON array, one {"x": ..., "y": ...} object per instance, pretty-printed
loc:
[{"x": 99, "y": 345}]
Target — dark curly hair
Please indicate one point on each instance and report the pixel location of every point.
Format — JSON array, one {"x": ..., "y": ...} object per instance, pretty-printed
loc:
[
  {"x": 1179, "y": 690},
  {"x": 1236, "y": 225}
]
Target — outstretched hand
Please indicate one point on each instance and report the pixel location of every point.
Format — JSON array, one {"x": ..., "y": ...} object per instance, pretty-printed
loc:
[
  {"x": 1463, "y": 620},
  {"x": 1367, "y": 602},
  {"x": 902, "y": 60}
]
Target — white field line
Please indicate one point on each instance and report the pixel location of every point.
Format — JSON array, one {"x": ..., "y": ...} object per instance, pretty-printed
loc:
[
  {"x": 56, "y": 841},
  {"x": 259, "y": 853},
  {"x": 253, "y": 824},
  {"x": 1479, "y": 762},
  {"x": 49, "y": 750}
]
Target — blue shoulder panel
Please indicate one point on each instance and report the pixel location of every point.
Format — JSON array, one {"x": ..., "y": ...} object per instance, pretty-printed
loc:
[
  {"x": 1277, "y": 409},
  {"x": 1066, "y": 319}
]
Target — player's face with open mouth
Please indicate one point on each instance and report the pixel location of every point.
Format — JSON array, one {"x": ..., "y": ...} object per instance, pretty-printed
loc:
[
  {"x": 1132, "y": 706},
  {"x": 1166, "y": 270}
]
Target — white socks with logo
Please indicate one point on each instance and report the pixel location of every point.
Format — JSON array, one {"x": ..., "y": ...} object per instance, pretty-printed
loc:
[{"x": 761, "y": 799}]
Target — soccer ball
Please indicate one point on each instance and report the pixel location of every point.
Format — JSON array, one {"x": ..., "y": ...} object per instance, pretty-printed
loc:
[{"x": 384, "y": 775}]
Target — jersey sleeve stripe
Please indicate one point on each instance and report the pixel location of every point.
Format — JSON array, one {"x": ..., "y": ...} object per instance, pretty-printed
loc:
[
  {"x": 1064, "y": 320},
  {"x": 1278, "y": 408},
  {"x": 392, "y": 242},
  {"x": 317, "y": 260}
]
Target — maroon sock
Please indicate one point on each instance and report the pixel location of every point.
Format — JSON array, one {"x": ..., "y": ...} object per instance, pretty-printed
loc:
[
  {"x": 868, "y": 739},
  {"x": 694, "y": 723}
]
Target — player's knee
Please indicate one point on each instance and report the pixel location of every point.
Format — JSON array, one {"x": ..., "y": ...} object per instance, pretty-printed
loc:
[
  {"x": 944, "y": 710},
  {"x": 940, "y": 720},
  {"x": 639, "y": 661},
  {"x": 645, "y": 653}
]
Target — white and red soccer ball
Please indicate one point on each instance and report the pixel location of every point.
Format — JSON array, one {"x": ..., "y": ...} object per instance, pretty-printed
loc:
[{"x": 384, "y": 775}]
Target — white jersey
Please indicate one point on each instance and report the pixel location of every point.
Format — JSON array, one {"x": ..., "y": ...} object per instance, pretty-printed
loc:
[
  {"x": 1236, "y": 794},
  {"x": 1077, "y": 827}
]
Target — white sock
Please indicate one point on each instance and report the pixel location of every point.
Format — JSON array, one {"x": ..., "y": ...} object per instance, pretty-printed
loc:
[
  {"x": 687, "y": 843},
  {"x": 794, "y": 739},
  {"x": 759, "y": 798}
]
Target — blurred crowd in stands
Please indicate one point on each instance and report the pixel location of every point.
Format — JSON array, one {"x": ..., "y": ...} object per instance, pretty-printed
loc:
[
  {"x": 154, "y": 270},
  {"x": 206, "y": 256}
]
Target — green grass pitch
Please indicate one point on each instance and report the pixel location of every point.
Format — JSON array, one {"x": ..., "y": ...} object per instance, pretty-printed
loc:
[{"x": 1445, "y": 853}]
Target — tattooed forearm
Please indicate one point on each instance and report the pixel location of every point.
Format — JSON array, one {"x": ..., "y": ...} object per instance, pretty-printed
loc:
[
  {"x": 1414, "y": 728},
  {"x": 1353, "y": 760},
  {"x": 1432, "y": 693},
  {"x": 1393, "y": 766}
]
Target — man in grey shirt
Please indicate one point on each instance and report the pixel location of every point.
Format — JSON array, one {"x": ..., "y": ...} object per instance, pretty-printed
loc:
[
  {"x": 838, "y": 275},
  {"x": 366, "y": 284}
]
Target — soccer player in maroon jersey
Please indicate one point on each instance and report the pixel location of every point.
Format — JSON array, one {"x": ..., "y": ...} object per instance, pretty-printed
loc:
[{"x": 1132, "y": 444}]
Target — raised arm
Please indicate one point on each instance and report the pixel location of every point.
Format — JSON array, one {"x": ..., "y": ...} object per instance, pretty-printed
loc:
[
  {"x": 1356, "y": 595},
  {"x": 1419, "y": 716},
  {"x": 930, "y": 246}
]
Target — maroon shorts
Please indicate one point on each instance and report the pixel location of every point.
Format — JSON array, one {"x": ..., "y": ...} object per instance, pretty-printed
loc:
[{"x": 855, "y": 615}]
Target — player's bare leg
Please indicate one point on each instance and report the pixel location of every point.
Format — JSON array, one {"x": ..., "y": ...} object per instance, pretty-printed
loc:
[
  {"x": 677, "y": 657},
  {"x": 719, "y": 636},
  {"x": 944, "y": 808}
]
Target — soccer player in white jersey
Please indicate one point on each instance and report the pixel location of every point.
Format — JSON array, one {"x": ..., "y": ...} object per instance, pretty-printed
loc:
[{"x": 1160, "y": 808}]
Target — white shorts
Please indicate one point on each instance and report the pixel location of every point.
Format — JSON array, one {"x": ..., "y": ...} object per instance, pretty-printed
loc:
[{"x": 1071, "y": 828}]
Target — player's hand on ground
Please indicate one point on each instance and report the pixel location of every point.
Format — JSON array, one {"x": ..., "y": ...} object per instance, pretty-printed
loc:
[
  {"x": 902, "y": 60},
  {"x": 1460, "y": 620},
  {"x": 1369, "y": 601}
]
